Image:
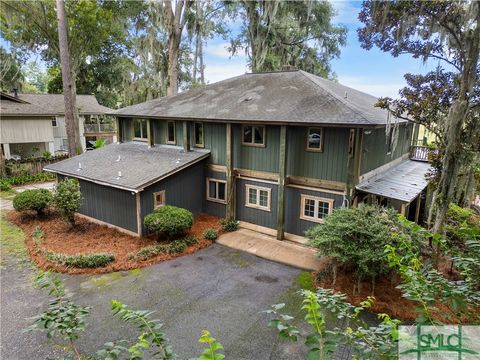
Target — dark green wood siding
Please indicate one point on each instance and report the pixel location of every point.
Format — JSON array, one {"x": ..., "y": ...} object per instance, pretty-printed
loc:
[
  {"x": 293, "y": 223},
  {"x": 160, "y": 132},
  {"x": 375, "y": 147},
  {"x": 126, "y": 125},
  {"x": 112, "y": 205},
  {"x": 254, "y": 157},
  {"x": 331, "y": 164},
  {"x": 215, "y": 141},
  {"x": 256, "y": 216},
  {"x": 183, "y": 189}
]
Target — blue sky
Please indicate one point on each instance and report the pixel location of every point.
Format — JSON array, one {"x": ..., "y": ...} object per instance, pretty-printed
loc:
[{"x": 373, "y": 71}]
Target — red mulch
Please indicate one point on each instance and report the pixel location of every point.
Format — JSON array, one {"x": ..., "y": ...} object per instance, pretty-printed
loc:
[
  {"x": 388, "y": 299},
  {"x": 89, "y": 238}
]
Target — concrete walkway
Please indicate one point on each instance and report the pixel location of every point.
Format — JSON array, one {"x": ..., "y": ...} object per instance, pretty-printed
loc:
[{"x": 268, "y": 247}]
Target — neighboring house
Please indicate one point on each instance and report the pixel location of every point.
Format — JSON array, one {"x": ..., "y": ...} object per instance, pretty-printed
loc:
[
  {"x": 33, "y": 123},
  {"x": 277, "y": 151}
]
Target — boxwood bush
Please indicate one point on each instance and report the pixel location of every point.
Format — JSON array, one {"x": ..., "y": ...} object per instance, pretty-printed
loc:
[
  {"x": 35, "y": 199},
  {"x": 169, "y": 221},
  {"x": 210, "y": 234}
]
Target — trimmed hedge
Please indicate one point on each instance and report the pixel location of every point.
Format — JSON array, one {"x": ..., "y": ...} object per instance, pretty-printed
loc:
[
  {"x": 210, "y": 234},
  {"x": 169, "y": 221},
  {"x": 82, "y": 260},
  {"x": 175, "y": 247},
  {"x": 34, "y": 199}
]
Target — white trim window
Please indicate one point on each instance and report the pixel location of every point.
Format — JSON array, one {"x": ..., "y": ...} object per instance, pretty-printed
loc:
[
  {"x": 199, "y": 136},
  {"x": 315, "y": 208},
  {"x": 217, "y": 190},
  {"x": 315, "y": 139},
  {"x": 54, "y": 123},
  {"x": 158, "y": 199},
  {"x": 253, "y": 135},
  {"x": 171, "y": 133},
  {"x": 258, "y": 197},
  {"x": 140, "y": 129}
]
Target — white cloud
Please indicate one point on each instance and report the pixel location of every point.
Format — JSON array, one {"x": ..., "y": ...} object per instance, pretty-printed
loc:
[
  {"x": 221, "y": 71},
  {"x": 347, "y": 11},
  {"x": 218, "y": 50},
  {"x": 373, "y": 87}
]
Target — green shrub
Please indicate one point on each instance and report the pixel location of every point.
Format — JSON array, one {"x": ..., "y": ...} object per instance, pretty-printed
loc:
[
  {"x": 67, "y": 199},
  {"x": 5, "y": 185},
  {"x": 175, "y": 247},
  {"x": 356, "y": 238},
  {"x": 210, "y": 234},
  {"x": 24, "y": 179},
  {"x": 38, "y": 232},
  {"x": 169, "y": 221},
  {"x": 82, "y": 260},
  {"x": 229, "y": 225},
  {"x": 190, "y": 240},
  {"x": 35, "y": 199}
]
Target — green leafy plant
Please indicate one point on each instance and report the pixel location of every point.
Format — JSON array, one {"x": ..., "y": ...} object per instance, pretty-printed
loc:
[
  {"x": 67, "y": 199},
  {"x": 229, "y": 225},
  {"x": 211, "y": 352},
  {"x": 99, "y": 143},
  {"x": 210, "y": 234},
  {"x": 47, "y": 155},
  {"x": 38, "y": 235},
  {"x": 169, "y": 221},
  {"x": 24, "y": 179},
  {"x": 63, "y": 318},
  {"x": 175, "y": 247},
  {"x": 80, "y": 261},
  {"x": 35, "y": 199},
  {"x": 356, "y": 237},
  {"x": 367, "y": 342},
  {"x": 190, "y": 240},
  {"x": 5, "y": 185}
]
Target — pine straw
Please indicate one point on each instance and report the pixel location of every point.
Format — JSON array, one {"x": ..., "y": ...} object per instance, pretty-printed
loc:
[
  {"x": 388, "y": 299},
  {"x": 91, "y": 238}
]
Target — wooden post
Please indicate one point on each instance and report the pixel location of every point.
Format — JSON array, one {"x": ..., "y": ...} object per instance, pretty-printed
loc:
[
  {"x": 119, "y": 130},
  {"x": 230, "y": 215},
  {"x": 150, "y": 132},
  {"x": 417, "y": 208},
  {"x": 186, "y": 137},
  {"x": 403, "y": 209},
  {"x": 282, "y": 166},
  {"x": 353, "y": 165},
  {"x": 416, "y": 129}
]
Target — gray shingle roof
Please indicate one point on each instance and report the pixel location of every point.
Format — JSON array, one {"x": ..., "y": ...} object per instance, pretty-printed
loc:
[
  {"x": 140, "y": 165},
  {"x": 50, "y": 105},
  {"x": 278, "y": 97},
  {"x": 402, "y": 182}
]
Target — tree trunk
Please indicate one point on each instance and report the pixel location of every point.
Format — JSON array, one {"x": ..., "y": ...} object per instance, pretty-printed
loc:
[
  {"x": 68, "y": 85},
  {"x": 173, "y": 48},
  {"x": 201, "y": 66}
]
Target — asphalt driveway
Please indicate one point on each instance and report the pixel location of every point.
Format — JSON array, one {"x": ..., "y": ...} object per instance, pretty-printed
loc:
[{"x": 218, "y": 288}]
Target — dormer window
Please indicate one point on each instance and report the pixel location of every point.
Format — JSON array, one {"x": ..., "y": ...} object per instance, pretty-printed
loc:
[
  {"x": 140, "y": 130},
  {"x": 315, "y": 139},
  {"x": 253, "y": 135}
]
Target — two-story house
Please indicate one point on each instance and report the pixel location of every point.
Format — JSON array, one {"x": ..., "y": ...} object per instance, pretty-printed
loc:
[
  {"x": 277, "y": 151},
  {"x": 34, "y": 123}
]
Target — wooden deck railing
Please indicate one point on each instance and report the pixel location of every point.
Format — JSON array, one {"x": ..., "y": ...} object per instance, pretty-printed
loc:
[
  {"x": 422, "y": 153},
  {"x": 99, "y": 128}
]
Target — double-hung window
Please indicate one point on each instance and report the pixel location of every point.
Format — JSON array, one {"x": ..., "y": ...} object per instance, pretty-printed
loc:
[
  {"x": 216, "y": 190},
  {"x": 258, "y": 197},
  {"x": 171, "y": 132},
  {"x": 315, "y": 208},
  {"x": 253, "y": 135},
  {"x": 140, "y": 129}
]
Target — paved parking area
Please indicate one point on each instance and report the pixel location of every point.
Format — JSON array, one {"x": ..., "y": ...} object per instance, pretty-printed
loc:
[{"x": 218, "y": 288}]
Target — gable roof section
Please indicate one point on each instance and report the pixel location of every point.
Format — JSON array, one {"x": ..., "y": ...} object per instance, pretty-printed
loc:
[
  {"x": 139, "y": 165},
  {"x": 49, "y": 105},
  {"x": 275, "y": 97}
]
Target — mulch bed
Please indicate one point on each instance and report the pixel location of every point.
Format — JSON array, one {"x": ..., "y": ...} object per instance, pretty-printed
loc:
[
  {"x": 388, "y": 299},
  {"x": 91, "y": 238}
]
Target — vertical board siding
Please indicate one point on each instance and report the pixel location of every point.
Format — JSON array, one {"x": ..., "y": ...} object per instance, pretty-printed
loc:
[
  {"x": 160, "y": 132},
  {"x": 182, "y": 189},
  {"x": 212, "y": 207},
  {"x": 215, "y": 141},
  {"x": 111, "y": 205},
  {"x": 255, "y": 157},
  {"x": 127, "y": 129},
  {"x": 256, "y": 216},
  {"x": 375, "y": 147},
  {"x": 293, "y": 223},
  {"x": 330, "y": 164}
]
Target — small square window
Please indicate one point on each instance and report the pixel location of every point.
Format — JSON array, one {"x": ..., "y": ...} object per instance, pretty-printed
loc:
[
  {"x": 253, "y": 135},
  {"x": 216, "y": 190},
  {"x": 199, "y": 135},
  {"x": 158, "y": 199},
  {"x": 54, "y": 123},
  {"x": 171, "y": 132},
  {"x": 315, "y": 139},
  {"x": 258, "y": 197},
  {"x": 314, "y": 208}
]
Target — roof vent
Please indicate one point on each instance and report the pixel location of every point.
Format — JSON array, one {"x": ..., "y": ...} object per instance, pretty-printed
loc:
[
  {"x": 346, "y": 95},
  {"x": 248, "y": 98},
  {"x": 118, "y": 159},
  {"x": 79, "y": 166},
  {"x": 119, "y": 175}
]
